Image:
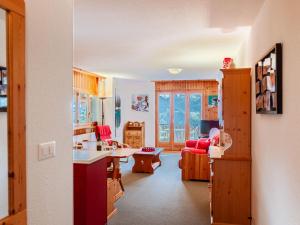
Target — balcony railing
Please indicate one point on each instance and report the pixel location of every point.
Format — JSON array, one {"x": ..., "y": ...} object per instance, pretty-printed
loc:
[{"x": 179, "y": 133}]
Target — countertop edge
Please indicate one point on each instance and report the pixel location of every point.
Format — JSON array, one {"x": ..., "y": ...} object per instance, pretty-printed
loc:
[{"x": 94, "y": 159}]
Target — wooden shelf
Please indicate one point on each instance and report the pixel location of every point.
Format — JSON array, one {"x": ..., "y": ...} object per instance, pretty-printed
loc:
[{"x": 78, "y": 130}]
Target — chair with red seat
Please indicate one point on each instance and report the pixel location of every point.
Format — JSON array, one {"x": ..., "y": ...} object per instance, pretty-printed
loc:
[{"x": 103, "y": 133}]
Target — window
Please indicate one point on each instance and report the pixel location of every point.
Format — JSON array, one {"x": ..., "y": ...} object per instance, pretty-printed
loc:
[
  {"x": 179, "y": 117},
  {"x": 164, "y": 117},
  {"x": 84, "y": 108},
  {"x": 181, "y": 105},
  {"x": 195, "y": 115},
  {"x": 74, "y": 108}
]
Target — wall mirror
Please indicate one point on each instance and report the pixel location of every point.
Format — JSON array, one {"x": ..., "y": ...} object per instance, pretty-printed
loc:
[
  {"x": 3, "y": 119},
  {"x": 12, "y": 113}
]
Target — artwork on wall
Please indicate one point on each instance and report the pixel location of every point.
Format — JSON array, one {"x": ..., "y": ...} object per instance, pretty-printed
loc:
[
  {"x": 268, "y": 82},
  {"x": 117, "y": 111},
  {"x": 140, "y": 103},
  {"x": 212, "y": 101},
  {"x": 3, "y": 89}
]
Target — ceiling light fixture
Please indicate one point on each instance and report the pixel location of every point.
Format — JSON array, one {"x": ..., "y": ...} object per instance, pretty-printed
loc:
[{"x": 175, "y": 71}]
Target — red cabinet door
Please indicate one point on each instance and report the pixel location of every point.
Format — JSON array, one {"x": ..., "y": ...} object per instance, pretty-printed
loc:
[{"x": 90, "y": 193}]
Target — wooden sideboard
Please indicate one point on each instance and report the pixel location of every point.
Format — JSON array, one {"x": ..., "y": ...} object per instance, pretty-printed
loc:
[
  {"x": 134, "y": 134},
  {"x": 230, "y": 183}
]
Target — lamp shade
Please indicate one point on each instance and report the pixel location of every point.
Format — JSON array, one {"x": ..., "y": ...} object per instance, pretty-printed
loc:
[
  {"x": 106, "y": 88},
  {"x": 175, "y": 71}
]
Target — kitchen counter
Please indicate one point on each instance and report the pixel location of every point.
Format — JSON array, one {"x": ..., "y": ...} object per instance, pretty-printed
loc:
[
  {"x": 90, "y": 187},
  {"x": 88, "y": 156}
]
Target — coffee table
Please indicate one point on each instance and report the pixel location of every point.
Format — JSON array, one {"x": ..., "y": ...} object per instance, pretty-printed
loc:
[{"x": 146, "y": 162}]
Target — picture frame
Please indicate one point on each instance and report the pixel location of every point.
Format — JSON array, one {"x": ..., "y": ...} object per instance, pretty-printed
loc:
[
  {"x": 268, "y": 82},
  {"x": 212, "y": 101},
  {"x": 3, "y": 89},
  {"x": 140, "y": 102}
]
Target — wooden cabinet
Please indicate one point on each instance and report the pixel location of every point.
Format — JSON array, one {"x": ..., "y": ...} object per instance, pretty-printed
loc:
[
  {"x": 90, "y": 193},
  {"x": 231, "y": 175},
  {"x": 134, "y": 134}
]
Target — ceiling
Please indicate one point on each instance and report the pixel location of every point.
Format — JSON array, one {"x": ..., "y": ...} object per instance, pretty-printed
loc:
[{"x": 141, "y": 39}]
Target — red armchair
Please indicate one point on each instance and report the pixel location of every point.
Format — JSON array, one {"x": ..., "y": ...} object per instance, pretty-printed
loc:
[{"x": 195, "y": 162}]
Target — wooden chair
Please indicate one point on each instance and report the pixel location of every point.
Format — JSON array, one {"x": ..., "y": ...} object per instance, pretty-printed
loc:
[
  {"x": 113, "y": 171},
  {"x": 103, "y": 133}
]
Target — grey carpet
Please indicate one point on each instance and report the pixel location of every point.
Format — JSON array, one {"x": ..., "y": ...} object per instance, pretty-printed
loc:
[{"x": 161, "y": 198}]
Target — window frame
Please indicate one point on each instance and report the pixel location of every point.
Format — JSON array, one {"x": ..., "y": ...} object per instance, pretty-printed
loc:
[{"x": 89, "y": 98}]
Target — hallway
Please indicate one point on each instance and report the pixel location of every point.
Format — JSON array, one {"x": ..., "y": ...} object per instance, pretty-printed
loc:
[{"x": 161, "y": 198}]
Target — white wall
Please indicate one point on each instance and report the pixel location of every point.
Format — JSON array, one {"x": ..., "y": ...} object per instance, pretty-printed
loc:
[
  {"x": 126, "y": 88},
  {"x": 49, "y": 44},
  {"x": 275, "y": 139},
  {"x": 3, "y": 166},
  {"x": 3, "y": 128},
  {"x": 2, "y": 38}
]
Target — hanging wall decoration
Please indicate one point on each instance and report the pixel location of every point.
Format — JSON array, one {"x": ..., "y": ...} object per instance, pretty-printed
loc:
[
  {"x": 3, "y": 89},
  {"x": 268, "y": 82},
  {"x": 117, "y": 111},
  {"x": 212, "y": 101},
  {"x": 140, "y": 103}
]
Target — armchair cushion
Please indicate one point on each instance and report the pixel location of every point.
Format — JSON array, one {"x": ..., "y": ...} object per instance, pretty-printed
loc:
[
  {"x": 103, "y": 133},
  {"x": 191, "y": 143},
  {"x": 203, "y": 143}
]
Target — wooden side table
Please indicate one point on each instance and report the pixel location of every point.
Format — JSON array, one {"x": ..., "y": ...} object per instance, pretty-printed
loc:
[{"x": 146, "y": 162}]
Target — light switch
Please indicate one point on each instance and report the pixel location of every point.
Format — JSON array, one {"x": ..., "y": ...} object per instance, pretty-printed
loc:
[{"x": 46, "y": 150}]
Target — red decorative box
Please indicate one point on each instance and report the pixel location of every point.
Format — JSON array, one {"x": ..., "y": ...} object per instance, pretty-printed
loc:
[{"x": 148, "y": 149}]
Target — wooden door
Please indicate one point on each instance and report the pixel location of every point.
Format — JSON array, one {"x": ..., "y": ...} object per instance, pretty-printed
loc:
[
  {"x": 178, "y": 117},
  {"x": 15, "y": 11}
]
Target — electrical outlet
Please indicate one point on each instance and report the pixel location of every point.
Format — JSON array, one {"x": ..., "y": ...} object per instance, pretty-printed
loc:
[{"x": 46, "y": 150}]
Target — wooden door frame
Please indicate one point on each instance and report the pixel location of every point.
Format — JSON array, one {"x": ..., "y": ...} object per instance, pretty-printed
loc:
[{"x": 16, "y": 111}]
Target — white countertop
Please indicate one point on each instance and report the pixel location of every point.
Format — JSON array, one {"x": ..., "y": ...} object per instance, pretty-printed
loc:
[{"x": 88, "y": 156}]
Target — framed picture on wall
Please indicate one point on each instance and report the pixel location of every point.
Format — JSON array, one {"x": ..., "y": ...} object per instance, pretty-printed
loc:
[
  {"x": 3, "y": 89},
  {"x": 212, "y": 101},
  {"x": 140, "y": 103},
  {"x": 268, "y": 82}
]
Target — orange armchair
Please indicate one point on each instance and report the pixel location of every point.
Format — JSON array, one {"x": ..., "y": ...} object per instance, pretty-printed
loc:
[{"x": 194, "y": 164}]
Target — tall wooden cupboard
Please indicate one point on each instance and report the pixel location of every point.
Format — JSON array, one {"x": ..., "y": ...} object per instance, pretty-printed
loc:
[{"x": 231, "y": 174}]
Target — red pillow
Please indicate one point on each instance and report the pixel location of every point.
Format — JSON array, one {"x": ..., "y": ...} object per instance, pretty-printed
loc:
[{"x": 203, "y": 143}]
